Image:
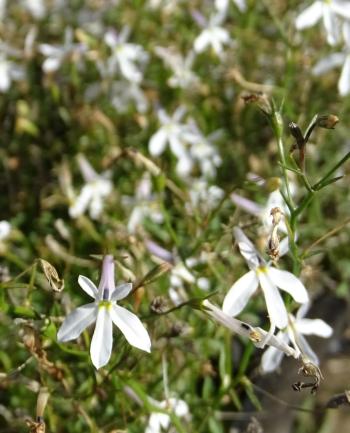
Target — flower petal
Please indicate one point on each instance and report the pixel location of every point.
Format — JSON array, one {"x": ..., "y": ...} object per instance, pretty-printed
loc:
[
  {"x": 272, "y": 357},
  {"x": 121, "y": 291},
  {"x": 247, "y": 249},
  {"x": 306, "y": 349},
  {"x": 274, "y": 302},
  {"x": 239, "y": 294},
  {"x": 132, "y": 327},
  {"x": 314, "y": 327},
  {"x": 309, "y": 16},
  {"x": 158, "y": 142},
  {"x": 344, "y": 80},
  {"x": 289, "y": 283},
  {"x": 331, "y": 23},
  {"x": 75, "y": 323},
  {"x": 88, "y": 286},
  {"x": 326, "y": 64},
  {"x": 102, "y": 340}
]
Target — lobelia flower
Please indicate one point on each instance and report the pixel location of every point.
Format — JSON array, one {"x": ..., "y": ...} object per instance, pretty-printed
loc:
[
  {"x": 176, "y": 134},
  {"x": 203, "y": 151},
  {"x": 183, "y": 77},
  {"x": 203, "y": 197},
  {"x": 92, "y": 195},
  {"x": 159, "y": 421},
  {"x": 126, "y": 56},
  {"x": 297, "y": 327},
  {"x": 57, "y": 54},
  {"x": 255, "y": 334},
  {"x": 212, "y": 35},
  {"x": 269, "y": 279},
  {"x": 332, "y": 12},
  {"x": 145, "y": 205},
  {"x": 105, "y": 311},
  {"x": 335, "y": 60}
]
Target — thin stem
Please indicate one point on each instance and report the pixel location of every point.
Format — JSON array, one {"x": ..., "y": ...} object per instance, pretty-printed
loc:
[{"x": 325, "y": 236}]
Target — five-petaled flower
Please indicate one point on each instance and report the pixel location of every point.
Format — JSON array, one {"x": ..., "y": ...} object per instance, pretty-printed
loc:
[
  {"x": 105, "y": 311},
  {"x": 269, "y": 279},
  {"x": 297, "y": 327}
]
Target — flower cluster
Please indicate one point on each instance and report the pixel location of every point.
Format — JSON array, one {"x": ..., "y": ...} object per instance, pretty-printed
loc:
[{"x": 335, "y": 15}]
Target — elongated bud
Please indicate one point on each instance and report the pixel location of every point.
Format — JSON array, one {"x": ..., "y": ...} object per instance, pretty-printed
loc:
[
  {"x": 328, "y": 121},
  {"x": 274, "y": 241}
]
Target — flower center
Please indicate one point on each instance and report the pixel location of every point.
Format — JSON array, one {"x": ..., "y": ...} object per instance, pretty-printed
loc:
[{"x": 105, "y": 304}]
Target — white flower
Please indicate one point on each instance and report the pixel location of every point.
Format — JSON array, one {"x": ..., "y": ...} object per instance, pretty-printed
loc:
[
  {"x": 56, "y": 54},
  {"x": 222, "y": 5},
  {"x": 158, "y": 421},
  {"x": 213, "y": 35},
  {"x": 203, "y": 151},
  {"x": 255, "y": 334},
  {"x": 105, "y": 311},
  {"x": 145, "y": 205},
  {"x": 5, "y": 229},
  {"x": 125, "y": 93},
  {"x": 126, "y": 56},
  {"x": 183, "y": 77},
  {"x": 96, "y": 189},
  {"x": 335, "y": 60},
  {"x": 295, "y": 331},
  {"x": 269, "y": 278},
  {"x": 176, "y": 134},
  {"x": 331, "y": 11},
  {"x": 203, "y": 197}
]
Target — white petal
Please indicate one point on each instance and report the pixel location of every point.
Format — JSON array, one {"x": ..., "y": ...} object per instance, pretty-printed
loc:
[
  {"x": 309, "y": 16},
  {"x": 342, "y": 9},
  {"x": 247, "y": 249},
  {"x": 75, "y": 323},
  {"x": 284, "y": 246},
  {"x": 328, "y": 63},
  {"x": 135, "y": 219},
  {"x": 202, "y": 41},
  {"x": 158, "y": 142},
  {"x": 246, "y": 204},
  {"x": 184, "y": 166},
  {"x": 272, "y": 357},
  {"x": 314, "y": 327},
  {"x": 5, "y": 78},
  {"x": 180, "y": 407},
  {"x": 332, "y": 25},
  {"x": 157, "y": 422},
  {"x": 51, "y": 64},
  {"x": 132, "y": 327},
  {"x": 121, "y": 291},
  {"x": 344, "y": 80},
  {"x": 102, "y": 340},
  {"x": 274, "y": 302},
  {"x": 239, "y": 294},
  {"x": 288, "y": 282},
  {"x": 306, "y": 349},
  {"x": 88, "y": 286}
]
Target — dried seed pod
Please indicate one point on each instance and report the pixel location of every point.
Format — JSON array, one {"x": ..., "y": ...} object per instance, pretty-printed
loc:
[{"x": 56, "y": 283}]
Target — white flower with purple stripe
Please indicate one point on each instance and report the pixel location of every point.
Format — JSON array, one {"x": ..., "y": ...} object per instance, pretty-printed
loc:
[{"x": 104, "y": 311}]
